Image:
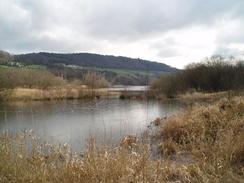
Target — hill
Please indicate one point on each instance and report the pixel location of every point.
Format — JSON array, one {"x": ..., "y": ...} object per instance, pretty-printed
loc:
[
  {"x": 117, "y": 70},
  {"x": 93, "y": 60}
]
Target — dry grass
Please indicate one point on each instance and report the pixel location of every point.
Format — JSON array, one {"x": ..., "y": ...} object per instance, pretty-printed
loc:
[
  {"x": 71, "y": 91},
  {"x": 67, "y": 92},
  {"x": 196, "y": 97},
  {"x": 47, "y": 163},
  {"x": 210, "y": 137},
  {"x": 29, "y": 78}
]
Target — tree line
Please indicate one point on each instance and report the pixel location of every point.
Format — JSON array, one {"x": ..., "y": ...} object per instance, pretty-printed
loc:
[{"x": 211, "y": 75}]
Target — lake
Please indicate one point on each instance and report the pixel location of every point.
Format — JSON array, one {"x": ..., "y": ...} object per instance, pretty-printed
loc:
[
  {"x": 75, "y": 121},
  {"x": 128, "y": 88}
]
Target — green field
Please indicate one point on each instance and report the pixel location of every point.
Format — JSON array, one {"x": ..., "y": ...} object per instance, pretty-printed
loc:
[
  {"x": 41, "y": 67},
  {"x": 3, "y": 67},
  {"x": 122, "y": 71},
  {"x": 116, "y": 71}
]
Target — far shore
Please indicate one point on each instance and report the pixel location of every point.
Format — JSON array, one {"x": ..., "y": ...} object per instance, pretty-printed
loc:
[
  {"x": 69, "y": 92},
  {"x": 83, "y": 92},
  {"x": 55, "y": 93}
]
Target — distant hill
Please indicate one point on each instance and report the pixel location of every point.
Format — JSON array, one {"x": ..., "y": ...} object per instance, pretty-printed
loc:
[
  {"x": 93, "y": 60},
  {"x": 117, "y": 70}
]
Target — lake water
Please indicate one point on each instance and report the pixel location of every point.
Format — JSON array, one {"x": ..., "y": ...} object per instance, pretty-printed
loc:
[
  {"x": 128, "y": 88},
  {"x": 74, "y": 121}
]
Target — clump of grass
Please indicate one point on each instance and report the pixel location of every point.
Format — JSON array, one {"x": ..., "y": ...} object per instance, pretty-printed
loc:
[
  {"x": 213, "y": 135},
  {"x": 24, "y": 159}
]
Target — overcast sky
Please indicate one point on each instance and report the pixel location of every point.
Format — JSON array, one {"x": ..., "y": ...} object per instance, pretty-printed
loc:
[{"x": 174, "y": 32}]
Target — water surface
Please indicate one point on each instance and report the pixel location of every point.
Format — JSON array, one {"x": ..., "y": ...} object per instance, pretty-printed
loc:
[{"x": 74, "y": 121}]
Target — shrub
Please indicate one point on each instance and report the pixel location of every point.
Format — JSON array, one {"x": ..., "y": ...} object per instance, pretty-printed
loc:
[
  {"x": 93, "y": 80},
  {"x": 28, "y": 78}
]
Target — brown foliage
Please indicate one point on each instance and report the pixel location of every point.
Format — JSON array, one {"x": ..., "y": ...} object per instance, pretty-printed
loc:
[
  {"x": 212, "y": 75},
  {"x": 28, "y": 78},
  {"x": 94, "y": 80},
  {"x": 213, "y": 135}
]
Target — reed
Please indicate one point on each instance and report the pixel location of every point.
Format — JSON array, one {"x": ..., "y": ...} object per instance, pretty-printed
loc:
[
  {"x": 54, "y": 93},
  {"x": 210, "y": 136},
  {"x": 50, "y": 163}
]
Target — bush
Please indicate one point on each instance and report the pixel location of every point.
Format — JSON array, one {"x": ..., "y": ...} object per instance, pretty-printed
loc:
[
  {"x": 28, "y": 78},
  {"x": 93, "y": 80},
  {"x": 214, "y": 74},
  {"x": 168, "y": 85}
]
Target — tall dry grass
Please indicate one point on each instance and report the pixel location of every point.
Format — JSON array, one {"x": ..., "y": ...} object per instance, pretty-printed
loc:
[
  {"x": 55, "y": 93},
  {"x": 212, "y": 136},
  {"x": 48, "y": 163},
  {"x": 94, "y": 80},
  {"x": 208, "y": 138},
  {"x": 28, "y": 78}
]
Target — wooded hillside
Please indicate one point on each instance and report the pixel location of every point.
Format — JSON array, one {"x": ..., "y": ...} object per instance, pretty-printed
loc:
[{"x": 93, "y": 60}]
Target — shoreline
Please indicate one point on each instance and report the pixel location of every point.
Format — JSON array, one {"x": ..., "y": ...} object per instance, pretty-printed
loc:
[
  {"x": 66, "y": 93},
  {"x": 80, "y": 92},
  {"x": 190, "y": 98},
  {"x": 63, "y": 93}
]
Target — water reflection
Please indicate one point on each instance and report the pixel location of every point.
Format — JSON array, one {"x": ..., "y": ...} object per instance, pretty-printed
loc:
[{"x": 74, "y": 121}]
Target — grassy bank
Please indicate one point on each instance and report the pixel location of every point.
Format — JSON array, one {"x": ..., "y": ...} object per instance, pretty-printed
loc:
[
  {"x": 191, "y": 98},
  {"x": 201, "y": 144},
  {"x": 210, "y": 137},
  {"x": 39, "y": 84},
  {"x": 68, "y": 91},
  {"x": 55, "y": 93}
]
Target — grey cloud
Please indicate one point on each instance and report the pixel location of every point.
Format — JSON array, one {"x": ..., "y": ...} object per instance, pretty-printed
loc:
[
  {"x": 167, "y": 52},
  {"x": 226, "y": 51},
  {"x": 92, "y": 21},
  {"x": 143, "y": 17},
  {"x": 165, "y": 48},
  {"x": 47, "y": 44},
  {"x": 232, "y": 34}
]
